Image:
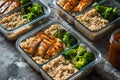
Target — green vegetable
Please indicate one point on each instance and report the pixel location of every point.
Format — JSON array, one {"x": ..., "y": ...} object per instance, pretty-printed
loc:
[
  {"x": 70, "y": 54},
  {"x": 79, "y": 62},
  {"x": 108, "y": 12},
  {"x": 81, "y": 50},
  {"x": 89, "y": 56},
  {"x": 24, "y": 1},
  {"x": 29, "y": 16},
  {"x": 60, "y": 33},
  {"x": 35, "y": 11},
  {"x": 80, "y": 57},
  {"x": 69, "y": 40},
  {"x": 97, "y": 1}
]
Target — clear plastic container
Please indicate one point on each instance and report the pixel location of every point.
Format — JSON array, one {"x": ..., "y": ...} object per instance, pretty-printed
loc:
[
  {"x": 38, "y": 67},
  {"x": 13, "y": 34},
  {"x": 92, "y": 35}
]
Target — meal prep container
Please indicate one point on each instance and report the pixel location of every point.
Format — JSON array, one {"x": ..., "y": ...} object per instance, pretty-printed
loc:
[
  {"x": 38, "y": 67},
  {"x": 4, "y": 2},
  {"x": 68, "y": 16},
  {"x": 20, "y": 30},
  {"x": 92, "y": 35}
]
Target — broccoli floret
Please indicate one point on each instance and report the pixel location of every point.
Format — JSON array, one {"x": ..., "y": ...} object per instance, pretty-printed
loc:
[
  {"x": 89, "y": 56},
  {"x": 108, "y": 13},
  {"x": 37, "y": 9},
  {"x": 69, "y": 40},
  {"x": 81, "y": 50},
  {"x": 80, "y": 57},
  {"x": 60, "y": 33},
  {"x": 70, "y": 54},
  {"x": 79, "y": 62},
  {"x": 33, "y": 12},
  {"x": 28, "y": 16},
  {"x": 24, "y": 1}
]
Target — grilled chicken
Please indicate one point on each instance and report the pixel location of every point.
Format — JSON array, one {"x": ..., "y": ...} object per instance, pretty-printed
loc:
[
  {"x": 35, "y": 42},
  {"x": 2, "y": 2},
  {"x": 31, "y": 44},
  {"x": 8, "y": 5},
  {"x": 70, "y": 4},
  {"x": 44, "y": 45},
  {"x": 14, "y": 5},
  {"x": 5, "y": 6},
  {"x": 54, "y": 50},
  {"x": 81, "y": 6}
]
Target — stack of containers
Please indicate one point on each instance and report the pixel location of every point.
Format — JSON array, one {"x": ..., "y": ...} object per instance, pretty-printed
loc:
[
  {"x": 86, "y": 20},
  {"x": 54, "y": 49},
  {"x": 13, "y": 25}
]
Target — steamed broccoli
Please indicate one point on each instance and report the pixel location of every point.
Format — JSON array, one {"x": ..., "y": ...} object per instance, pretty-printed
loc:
[
  {"x": 108, "y": 13},
  {"x": 89, "y": 56},
  {"x": 60, "y": 33},
  {"x": 37, "y": 9},
  {"x": 33, "y": 12},
  {"x": 69, "y": 40},
  {"x": 70, "y": 54},
  {"x": 28, "y": 16},
  {"x": 81, "y": 50},
  {"x": 79, "y": 62},
  {"x": 24, "y": 1},
  {"x": 80, "y": 57}
]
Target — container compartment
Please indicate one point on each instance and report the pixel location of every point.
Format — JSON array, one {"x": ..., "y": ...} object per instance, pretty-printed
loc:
[
  {"x": 21, "y": 20},
  {"x": 94, "y": 27},
  {"x": 72, "y": 63},
  {"x": 92, "y": 34},
  {"x": 64, "y": 5},
  {"x": 45, "y": 42}
]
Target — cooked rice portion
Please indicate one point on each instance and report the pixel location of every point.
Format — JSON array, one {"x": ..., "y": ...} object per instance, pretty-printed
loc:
[
  {"x": 92, "y": 20},
  {"x": 12, "y": 21},
  {"x": 60, "y": 68}
]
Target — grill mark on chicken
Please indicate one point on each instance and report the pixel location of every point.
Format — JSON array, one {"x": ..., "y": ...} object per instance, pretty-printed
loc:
[
  {"x": 4, "y": 7},
  {"x": 82, "y": 5},
  {"x": 54, "y": 50},
  {"x": 70, "y": 4},
  {"x": 2, "y": 2},
  {"x": 14, "y": 5},
  {"x": 8, "y": 5},
  {"x": 35, "y": 43},
  {"x": 44, "y": 45}
]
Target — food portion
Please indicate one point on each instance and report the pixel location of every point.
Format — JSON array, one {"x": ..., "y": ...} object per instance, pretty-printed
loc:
[
  {"x": 33, "y": 12},
  {"x": 19, "y": 18},
  {"x": 75, "y": 6},
  {"x": 9, "y": 5},
  {"x": 92, "y": 20},
  {"x": 69, "y": 63},
  {"x": 12, "y": 21},
  {"x": 79, "y": 56},
  {"x": 108, "y": 13},
  {"x": 98, "y": 17},
  {"x": 60, "y": 68},
  {"x": 48, "y": 43}
]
